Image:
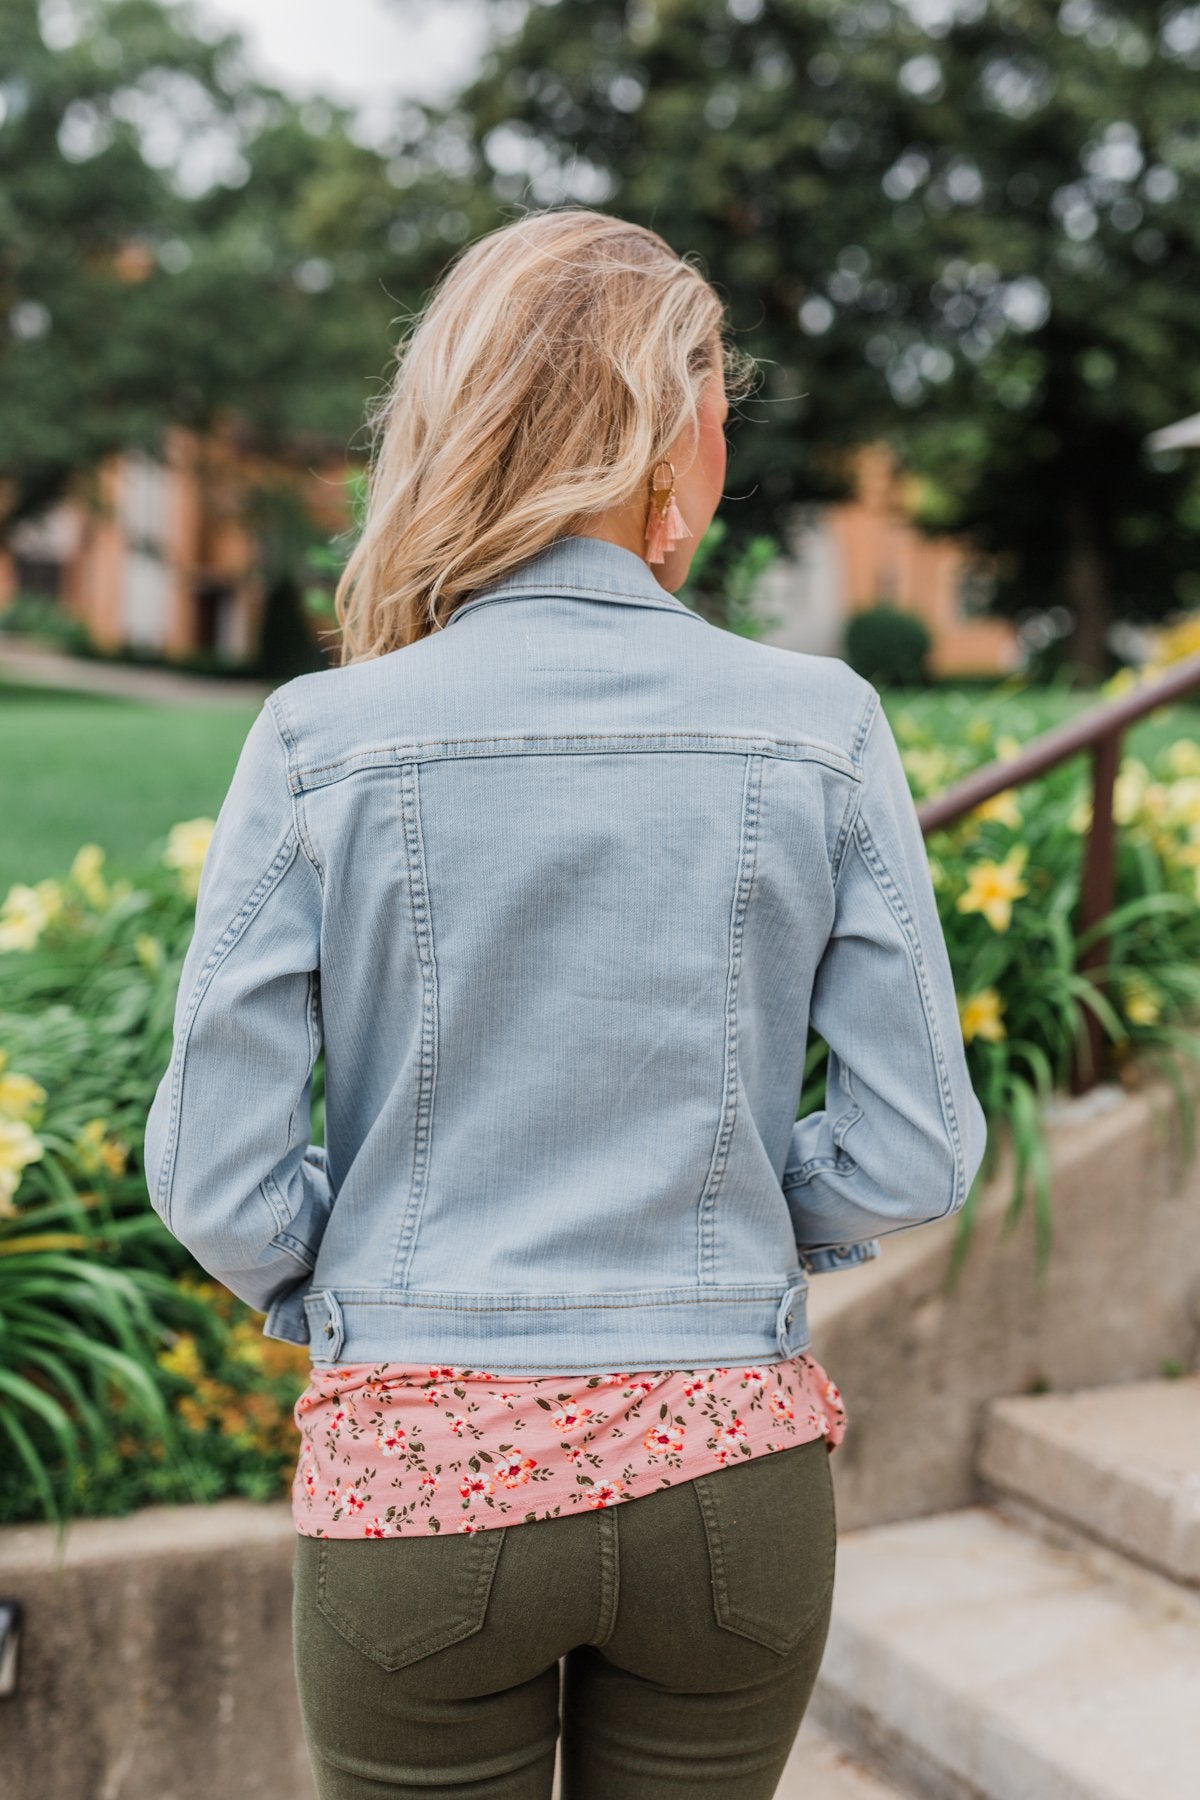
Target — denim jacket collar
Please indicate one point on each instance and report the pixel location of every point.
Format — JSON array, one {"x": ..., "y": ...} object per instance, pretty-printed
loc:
[{"x": 585, "y": 568}]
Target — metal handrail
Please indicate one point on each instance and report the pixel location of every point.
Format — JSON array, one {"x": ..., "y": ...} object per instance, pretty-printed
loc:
[{"x": 1098, "y": 730}]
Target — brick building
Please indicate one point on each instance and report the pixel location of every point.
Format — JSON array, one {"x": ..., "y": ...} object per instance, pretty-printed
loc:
[
  {"x": 160, "y": 552},
  {"x": 162, "y": 555}
]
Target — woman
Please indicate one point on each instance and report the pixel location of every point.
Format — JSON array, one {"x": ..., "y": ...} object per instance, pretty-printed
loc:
[{"x": 559, "y": 874}]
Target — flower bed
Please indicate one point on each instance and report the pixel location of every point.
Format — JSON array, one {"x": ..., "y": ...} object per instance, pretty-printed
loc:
[
  {"x": 126, "y": 1376},
  {"x": 1007, "y": 878}
]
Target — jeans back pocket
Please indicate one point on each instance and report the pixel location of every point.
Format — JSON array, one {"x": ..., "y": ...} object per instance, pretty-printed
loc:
[
  {"x": 399, "y": 1599},
  {"x": 771, "y": 1526}
]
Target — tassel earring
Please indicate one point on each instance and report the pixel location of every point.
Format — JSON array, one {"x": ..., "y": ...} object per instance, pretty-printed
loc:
[{"x": 664, "y": 521}]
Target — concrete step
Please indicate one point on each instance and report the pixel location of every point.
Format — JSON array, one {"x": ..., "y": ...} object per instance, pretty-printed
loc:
[
  {"x": 1121, "y": 1463},
  {"x": 976, "y": 1661},
  {"x": 819, "y": 1769}
]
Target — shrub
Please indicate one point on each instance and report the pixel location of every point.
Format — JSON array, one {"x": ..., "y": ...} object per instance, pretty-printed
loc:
[
  {"x": 1007, "y": 878},
  {"x": 888, "y": 646},
  {"x": 31, "y": 615}
]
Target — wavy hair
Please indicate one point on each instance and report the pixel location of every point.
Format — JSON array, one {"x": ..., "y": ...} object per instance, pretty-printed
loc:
[{"x": 553, "y": 366}]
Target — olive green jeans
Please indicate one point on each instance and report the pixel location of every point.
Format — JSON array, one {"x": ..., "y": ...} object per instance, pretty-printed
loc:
[{"x": 673, "y": 1639}]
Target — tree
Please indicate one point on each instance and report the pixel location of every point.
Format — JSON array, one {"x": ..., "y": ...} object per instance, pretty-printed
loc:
[
  {"x": 1052, "y": 157},
  {"x": 178, "y": 243},
  {"x": 969, "y": 228}
]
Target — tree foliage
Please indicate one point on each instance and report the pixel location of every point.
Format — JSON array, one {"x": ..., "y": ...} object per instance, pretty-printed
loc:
[
  {"x": 178, "y": 242},
  {"x": 967, "y": 226}
]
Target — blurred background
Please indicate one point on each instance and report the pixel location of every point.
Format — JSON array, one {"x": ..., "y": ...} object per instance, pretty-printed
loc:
[{"x": 962, "y": 237}]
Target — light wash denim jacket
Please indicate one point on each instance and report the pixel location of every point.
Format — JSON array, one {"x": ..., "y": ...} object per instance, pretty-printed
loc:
[{"x": 559, "y": 889}]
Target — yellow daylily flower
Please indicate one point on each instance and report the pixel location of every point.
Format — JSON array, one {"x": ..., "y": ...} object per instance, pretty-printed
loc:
[
  {"x": 187, "y": 846},
  {"x": 1008, "y": 746},
  {"x": 1183, "y": 757},
  {"x": 1142, "y": 1004},
  {"x": 1183, "y": 803},
  {"x": 183, "y": 1358},
  {"x": 930, "y": 768},
  {"x": 1079, "y": 819},
  {"x": 1120, "y": 682},
  {"x": 20, "y": 1095},
  {"x": 18, "y": 1148},
  {"x": 1173, "y": 642},
  {"x": 1003, "y": 808},
  {"x": 95, "y": 1149},
  {"x": 51, "y": 895},
  {"x": 993, "y": 886},
  {"x": 1133, "y": 778},
  {"x": 980, "y": 1016},
  {"x": 149, "y": 950},
  {"x": 23, "y": 918},
  {"x": 85, "y": 873},
  {"x": 114, "y": 1155}
]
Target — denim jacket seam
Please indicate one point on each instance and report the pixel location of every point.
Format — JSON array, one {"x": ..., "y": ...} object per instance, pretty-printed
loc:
[
  {"x": 562, "y": 743},
  {"x": 804, "y": 1172},
  {"x": 284, "y": 1240},
  {"x": 865, "y": 721},
  {"x": 422, "y": 918},
  {"x": 849, "y": 815},
  {"x": 269, "y": 1188},
  {"x": 567, "y": 590},
  {"x": 295, "y": 782},
  {"x": 225, "y": 944},
  {"x": 895, "y": 904},
  {"x": 311, "y": 1015},
  {"x": 441, "y": 1300},
  {"x": 311, "y": 1005},
  {"x": 748, "y": 832}
]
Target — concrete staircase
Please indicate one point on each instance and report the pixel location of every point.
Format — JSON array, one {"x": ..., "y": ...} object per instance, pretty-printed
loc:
[{"x": 1045, "y": 1643}]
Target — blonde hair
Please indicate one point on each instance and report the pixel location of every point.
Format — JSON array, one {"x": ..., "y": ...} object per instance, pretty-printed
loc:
[{"x": 554, "y": 365}]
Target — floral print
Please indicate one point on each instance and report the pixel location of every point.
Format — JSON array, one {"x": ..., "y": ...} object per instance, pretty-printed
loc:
[{"x": 395, "y": 1449}]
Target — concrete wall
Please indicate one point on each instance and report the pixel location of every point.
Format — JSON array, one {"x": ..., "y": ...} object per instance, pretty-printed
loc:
[
  {"x": 156, "y": 1662},
  {"x": 915, "y": 1361}
]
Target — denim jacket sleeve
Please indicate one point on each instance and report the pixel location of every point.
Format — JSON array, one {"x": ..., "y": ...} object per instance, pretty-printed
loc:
[
  {"x": 228, "y": 1164},
  {"x": 902, "y": 1133}
]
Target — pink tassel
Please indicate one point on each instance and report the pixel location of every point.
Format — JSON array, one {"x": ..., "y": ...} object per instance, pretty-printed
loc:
[{"x": 664, "y": 529}]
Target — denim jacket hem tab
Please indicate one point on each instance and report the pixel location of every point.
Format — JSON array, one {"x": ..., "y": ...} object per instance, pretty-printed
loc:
[{"x": 672, "y": 1328}]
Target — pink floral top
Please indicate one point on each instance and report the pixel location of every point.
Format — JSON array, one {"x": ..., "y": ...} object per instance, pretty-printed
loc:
[{"x": 392, "y": 1449}]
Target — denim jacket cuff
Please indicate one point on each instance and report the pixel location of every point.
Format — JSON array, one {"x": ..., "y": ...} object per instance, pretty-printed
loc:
[
  {"x": 286, "y": 1317},
  {"x": 838, "y": 1256}
]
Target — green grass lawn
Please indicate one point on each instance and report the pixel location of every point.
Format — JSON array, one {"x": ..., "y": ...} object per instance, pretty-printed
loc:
[{"x": 80, "y": 768}]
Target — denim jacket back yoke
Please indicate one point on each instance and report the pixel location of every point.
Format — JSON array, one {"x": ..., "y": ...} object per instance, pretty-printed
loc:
[{"x": 559, "y": 889}]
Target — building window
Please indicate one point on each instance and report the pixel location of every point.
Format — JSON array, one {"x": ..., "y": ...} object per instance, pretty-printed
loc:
[
  {"x": 215, "y": 609},
  {"x": 38, "y": 575},
  {"x": 976, "y": 588}
]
